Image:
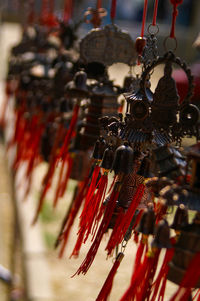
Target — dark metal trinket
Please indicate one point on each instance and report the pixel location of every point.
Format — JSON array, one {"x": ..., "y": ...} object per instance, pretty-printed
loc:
[
  {"x": 107, "y": 46},
  {"x": 150, "y": 51}
]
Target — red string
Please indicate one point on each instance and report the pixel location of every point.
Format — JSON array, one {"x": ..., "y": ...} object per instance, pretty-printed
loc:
[
  {"x": 113, "y": 9},
  {"x": 68, "y": 10},
  {"x": 99, "y": 4},
  {"x": 155, "y": 12},
  {"x": 144, "y": 17},
  {"x": 31, "y": 14},
  {"x": 51, "y": 6},
  {"x": 175, "y": 4}
]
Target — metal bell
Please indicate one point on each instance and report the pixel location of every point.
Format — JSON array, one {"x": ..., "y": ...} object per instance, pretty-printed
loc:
[
  {"x": 108, "y": 157},
  {"x": 147, "y": 221},
  {"x": 123, "y": 159},
  {"x": 99, "y": 149},
  {"x": 187, "y": 246},
  {"x": 144, "y": 169},
  {"x": 77, "y": 88},
  {"x": 162, "y": 236},
  {"x": 180, "y": 218}
]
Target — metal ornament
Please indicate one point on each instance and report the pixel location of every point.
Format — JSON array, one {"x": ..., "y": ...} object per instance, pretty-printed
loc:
[
  {"x": 150, "y": 51},
  {"x": 107, "y": 45},
  {"x": 160, "y": 118}
]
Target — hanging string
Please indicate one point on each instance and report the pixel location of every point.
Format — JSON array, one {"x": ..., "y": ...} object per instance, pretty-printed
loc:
[
  {"x": 155, "y": 12},
  {"x": 31, "y": 12},
  {"x": 68, "y": 10},
  {"x": 113, "y": 10},
  {"x": 44, "y": 10},
  {"x": 51, "y": 6},
  {"x": 144, "y": 17},
  {"x": 175, "y": 4},
  {"x": 99, "y": 4}
]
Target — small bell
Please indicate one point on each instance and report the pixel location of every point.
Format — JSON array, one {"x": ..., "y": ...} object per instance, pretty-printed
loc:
[
  {"x": 162, "y": 236},
  {"x": 77, "y": 88},
  {"x": 180, "y": 218},
  {"x": 123, "y": 159},
  {"x": 99, "y": 149},
  {"x": 147, "y": 221},
  {"x": 144, "y": 169},
  {"x": 108, "y": 157}
]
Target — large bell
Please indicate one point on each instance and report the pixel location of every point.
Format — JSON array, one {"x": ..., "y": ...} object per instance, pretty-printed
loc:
[
  {"x": 123, "y": 159},
  {"x": 187, "y": 246}
]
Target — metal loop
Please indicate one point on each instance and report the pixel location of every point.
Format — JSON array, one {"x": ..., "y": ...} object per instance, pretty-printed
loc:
[
  {"x": 151, "y": 27},
  {"x": 165, "y": 44},
  {"x": 123, "y": 245}
]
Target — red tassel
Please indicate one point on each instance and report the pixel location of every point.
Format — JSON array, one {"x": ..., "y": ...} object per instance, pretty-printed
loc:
[
  {"x": 149, "y": 270},
  {"x": 197, "y": 295},
  {"x": 49, "y": 175},
  {"x": 106, "y": 289},
  {"x": 162, "y": 276},
  {"x": 33, "y": 155},
  {"x": 95, "y": 204},
  {"x": 53, "y": 161},
  {"x": 142, "y": 278},
  {"x": 189, "y": 280},
  {"x": 102, "y": 229},
  {"x": 88, "y": 214},
  {"x": 71, "y": 216},
  {"x": 140, "y": 251},
  {"x": 64, "y": 149},
  {"x": 63, "y": 179},
  {"x": 122, "y": 225},
  {"x": 160, "y": 211}
]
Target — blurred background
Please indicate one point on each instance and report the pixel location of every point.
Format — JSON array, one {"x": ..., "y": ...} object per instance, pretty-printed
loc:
[{"x": 28, "y": 264}]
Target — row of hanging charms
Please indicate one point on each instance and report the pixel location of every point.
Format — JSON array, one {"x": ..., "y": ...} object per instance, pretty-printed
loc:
[
  {"x": 40, "y": 69},
  {"x": 119, "y": 212},
  {"x": 103, "y": 95},
  {"x": 129, "y": 194},
  {"x": 39, "y": 99}
]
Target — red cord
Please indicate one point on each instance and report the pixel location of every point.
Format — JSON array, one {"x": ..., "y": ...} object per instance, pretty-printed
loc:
[
  {"x": 175, "y": 4},
  {"x": 68, "y": 10},
  {"x": 99, "y": 4},
  {"x": 51, "y": 6},
  {"x": 113, "y": 9},
  {"x": 155, "y": 12},
  {"x": 144, "y": 17}
]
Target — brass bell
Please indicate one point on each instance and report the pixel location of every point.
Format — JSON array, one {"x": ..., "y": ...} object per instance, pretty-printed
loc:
[
  {"x": 77, "y": 88},
  {"x": 147, "y": 221},
  {"x": 162, "y": 236},
  {"x": 108, "y": 157},
  {"x": 144, "y": 169},
  {"x": 180, "y": 218},
  {"x": 187, "y": 246},
  {"x": 99, "y": 148},
  {"x": 123, "y": 159}
]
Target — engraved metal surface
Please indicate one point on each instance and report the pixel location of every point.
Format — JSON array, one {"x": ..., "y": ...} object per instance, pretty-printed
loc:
[{"x": 107, "y": 45}]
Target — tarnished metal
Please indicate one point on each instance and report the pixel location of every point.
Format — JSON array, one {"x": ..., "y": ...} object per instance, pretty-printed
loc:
[{"x": 108, "y": 45}]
